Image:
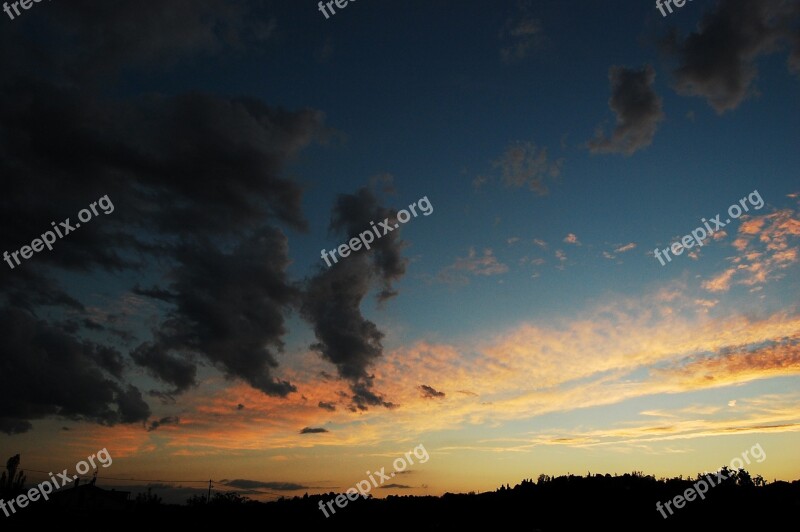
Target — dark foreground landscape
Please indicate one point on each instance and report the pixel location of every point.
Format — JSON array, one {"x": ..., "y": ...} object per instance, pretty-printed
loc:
[{"x": 624, "y": 502}]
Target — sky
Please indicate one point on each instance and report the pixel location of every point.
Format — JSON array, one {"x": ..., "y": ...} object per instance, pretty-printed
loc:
[{"x": 545, "y": 308}]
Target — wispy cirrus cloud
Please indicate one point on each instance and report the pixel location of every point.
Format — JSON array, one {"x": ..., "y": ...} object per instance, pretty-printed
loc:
[
  {"x": 619, "y": 250},
  {"x": 626, "y": 247},
  {"x": 472, "y": 265},
  {"x": 771, "y": 413},
  {"x": 627, "y": 348}
]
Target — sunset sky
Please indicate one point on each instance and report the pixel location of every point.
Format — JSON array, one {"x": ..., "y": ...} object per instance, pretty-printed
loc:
[{"x": 524, "y": 326}]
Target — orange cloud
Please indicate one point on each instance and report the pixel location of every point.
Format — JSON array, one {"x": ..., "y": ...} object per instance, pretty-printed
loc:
[
  {"x": 766, "y": 244},
  {"x": 668, "y": 339},
  {"x": 720, "y": 283},
  {"x": 736, "y": 367}
]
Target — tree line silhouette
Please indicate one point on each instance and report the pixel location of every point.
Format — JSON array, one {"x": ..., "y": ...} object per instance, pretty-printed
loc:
[{"x": 565, "y": 502}]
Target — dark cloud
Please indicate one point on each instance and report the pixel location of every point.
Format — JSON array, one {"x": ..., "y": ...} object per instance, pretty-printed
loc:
[
  {"x": 521, "y": 33},
  {"x": 47, "y": 372},
  {"x": 255, "y": 484},
  {"x": 178, "y": 372},
  {"x": 108, "y": 359},
  {"x": 794, "y": 59},
  {"x": 197, "y": 188},
  {"x": 126, "y": 337},
  {"x": 395, "y": 487},
  {"x": 352, "y": 215},
  {"x": 313, "y": 430},
  {"x": 332, "y": 305},
  {"x": 330, "y": 407},
  {"x": 718, "y": 60},
  {"x": 428, "y": 392},
  {"x": 68, "y": 326},
  {"x": 230, "y": 307},
  {"x": 638, "y": 109},
  {"x": 524, "y": 164},
  {"x": 332, "y": 302},
  {"x": 132, "y": 407},
  {"x": 28, "y": 288},
  {"x": 166, "y": 398},
  {"x": 92, "y": 325},
  {"x": 88, "y": 41},
  {"x": 363, "y": 397},
  {"x": 169, "y": 420},
  {"x": 242, "y": 139},
  {"x": 158, "y": 159}
]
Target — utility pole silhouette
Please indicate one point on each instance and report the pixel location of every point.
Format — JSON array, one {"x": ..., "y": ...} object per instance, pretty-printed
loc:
[{"x": 208, "y": 500}]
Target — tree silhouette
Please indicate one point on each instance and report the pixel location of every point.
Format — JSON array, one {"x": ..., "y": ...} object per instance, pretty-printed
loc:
[
  {"x": 148, "y": 498},
  {"x": 12, "y": 482},
  {"x": 230, "y": 498},
  {"x": 744, "y": 479},
  {"x": 196, "y": 500}
]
